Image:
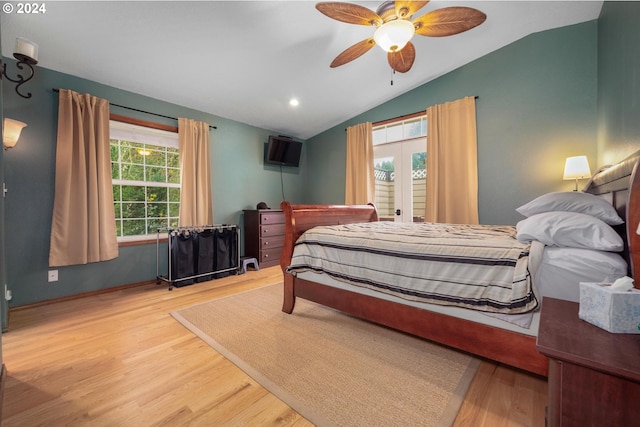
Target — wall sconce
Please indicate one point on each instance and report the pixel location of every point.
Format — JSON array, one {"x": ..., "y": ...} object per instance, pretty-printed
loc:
[
  {"x": 11, "y": 130},
  {"x": 27, "y": 55},
  {"x": 576, "y": 168}
]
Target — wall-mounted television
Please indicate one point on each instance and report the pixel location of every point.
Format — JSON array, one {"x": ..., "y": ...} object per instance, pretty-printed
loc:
[{"x": 283, "y": 151}]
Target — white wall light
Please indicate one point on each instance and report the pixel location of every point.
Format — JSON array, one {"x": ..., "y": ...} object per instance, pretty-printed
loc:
[{"x": 11, "y": 130}]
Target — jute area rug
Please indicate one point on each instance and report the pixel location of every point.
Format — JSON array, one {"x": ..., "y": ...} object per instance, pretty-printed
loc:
[{"x": 333, "y": 369}]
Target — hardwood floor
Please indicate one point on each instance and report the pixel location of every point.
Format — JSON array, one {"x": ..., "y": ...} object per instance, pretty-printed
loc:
[{"x": 120, "y": 359}]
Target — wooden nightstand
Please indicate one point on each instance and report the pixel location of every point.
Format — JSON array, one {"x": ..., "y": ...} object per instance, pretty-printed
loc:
[{"x": 594, "y": 375}]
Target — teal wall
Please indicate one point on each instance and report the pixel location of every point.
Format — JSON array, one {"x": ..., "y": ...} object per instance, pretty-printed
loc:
[
  {"x": 537, "y": 105},
  {"x": 240, "y": 181},
  {"x": 618, "y": 80}
]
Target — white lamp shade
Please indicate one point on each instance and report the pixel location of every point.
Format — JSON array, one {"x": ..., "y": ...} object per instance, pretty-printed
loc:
[
  {"x": 11, "y": 130},
  {"x": 576, "y": 168},
  {"x": 394, "y": 35}
]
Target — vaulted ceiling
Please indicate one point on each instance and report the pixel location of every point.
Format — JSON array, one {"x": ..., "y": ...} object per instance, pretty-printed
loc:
[{"x": 245, "y": 60}]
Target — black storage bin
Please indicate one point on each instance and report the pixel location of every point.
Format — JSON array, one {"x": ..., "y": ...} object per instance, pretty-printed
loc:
[
  {"x": 182, "y": 258},
  {"x": 205, "y": 261}
]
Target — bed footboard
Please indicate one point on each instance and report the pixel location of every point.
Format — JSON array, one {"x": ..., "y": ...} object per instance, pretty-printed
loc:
[{"x": 300, "y": 218}]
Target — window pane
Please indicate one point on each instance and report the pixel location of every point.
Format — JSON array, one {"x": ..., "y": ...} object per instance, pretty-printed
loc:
[
  {"x": 174, "y": 209},
  {"x": 131, "y": 154},
  {"x": 132, "y": 172},
  {"x": 173, "y": 159},
  {"x": 155, "y": 174},
  {"x": 133, "y": 227},
  {"x": 174, "y": 194},
  {"x": 117, "y": 209},
  {"x": 379, "y": 136},
  {"x": 173, "y": 176},
  {"x": 412, "y": 129},
  {"x": 157, "y": 210},
  {"x": 133, "y": 210},
  {"x": 133, "y": 193},
  {"x": 157, "y": 194},
  {"x": 116, "y": 193},
  {"x": 115, "y": 171},
  {"x": 156, "y": 158},
  {"x": 418, "y": 185},
  {"x": 394, "y": 132},
  {"x": 154, "y": 224},
  {"x": 119, "y": 227},
  {"x": 114, "y": 150}
]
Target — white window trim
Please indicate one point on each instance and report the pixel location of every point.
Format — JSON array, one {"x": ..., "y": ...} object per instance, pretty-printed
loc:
[{"x": 142, "y": 134}]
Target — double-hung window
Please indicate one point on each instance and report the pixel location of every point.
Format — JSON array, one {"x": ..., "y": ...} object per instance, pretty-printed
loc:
[{"x": 145, "y": 171}]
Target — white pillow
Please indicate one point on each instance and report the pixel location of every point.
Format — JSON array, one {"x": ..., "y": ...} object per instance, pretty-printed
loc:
[
  {"x": 569, "y": 229},
  {"x": 572, "y": 201}
]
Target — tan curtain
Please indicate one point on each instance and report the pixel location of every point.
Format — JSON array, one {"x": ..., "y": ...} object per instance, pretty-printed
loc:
[
  {"x": 196, "y": 206},
  {"x": 360, "y": 185},
  {"x": 452, "y": 163},
  {"x": 83, "y": 226}
]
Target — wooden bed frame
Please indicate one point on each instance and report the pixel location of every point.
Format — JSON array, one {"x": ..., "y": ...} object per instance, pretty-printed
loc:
[{"x": 511, "y": 348}]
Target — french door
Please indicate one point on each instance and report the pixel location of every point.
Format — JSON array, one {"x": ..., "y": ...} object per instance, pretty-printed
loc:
[{"x": 401, "y": 180}]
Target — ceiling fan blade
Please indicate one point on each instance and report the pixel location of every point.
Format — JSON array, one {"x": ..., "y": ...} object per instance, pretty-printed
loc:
[
  {"x": 353, "y": 52},
  {"x": 349, "y": 13},
  {"x": 404, "y": 9},
  {"x": 402, "y": 61},
  {"x": 448, "y": 21}
]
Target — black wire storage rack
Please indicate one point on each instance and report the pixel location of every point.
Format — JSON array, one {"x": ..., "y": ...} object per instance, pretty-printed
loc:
[{"x": 199, "y": 253}]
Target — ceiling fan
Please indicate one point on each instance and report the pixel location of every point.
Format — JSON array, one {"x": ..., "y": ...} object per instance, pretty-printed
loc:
[{"x": 394, "y": 28}]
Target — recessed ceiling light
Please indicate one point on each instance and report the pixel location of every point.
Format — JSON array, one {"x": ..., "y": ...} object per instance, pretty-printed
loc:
[{"x": 294, "y": 102}]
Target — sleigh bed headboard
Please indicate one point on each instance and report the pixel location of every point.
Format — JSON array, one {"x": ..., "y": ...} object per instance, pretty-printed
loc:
[{"x": 620, "y": 184}]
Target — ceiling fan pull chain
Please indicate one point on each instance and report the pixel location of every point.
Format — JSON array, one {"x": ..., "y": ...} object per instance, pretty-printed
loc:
[{"x": 392, "y": 73}]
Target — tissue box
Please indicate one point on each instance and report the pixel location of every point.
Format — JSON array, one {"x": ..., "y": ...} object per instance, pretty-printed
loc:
[{"x": 612, "y": 310}]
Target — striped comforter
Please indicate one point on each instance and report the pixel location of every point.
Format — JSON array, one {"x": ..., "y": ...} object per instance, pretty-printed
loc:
[{"x": 472, "y": 266}]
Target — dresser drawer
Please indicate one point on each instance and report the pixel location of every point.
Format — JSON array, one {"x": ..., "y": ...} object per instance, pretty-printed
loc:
[
  {"x": 271, "y": 242},
  {"x": 271, "y": 218},
  {"x": 272, "y": 230},
  {"x": 270, "y": 255}
]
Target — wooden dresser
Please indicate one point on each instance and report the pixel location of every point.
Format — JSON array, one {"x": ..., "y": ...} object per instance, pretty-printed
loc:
[
  {"x": 594, "y": 375},
  {"x": 264, "y": 235}
]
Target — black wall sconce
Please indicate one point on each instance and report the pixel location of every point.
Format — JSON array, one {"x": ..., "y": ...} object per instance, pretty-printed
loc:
[{"x": 27, "y": 55}]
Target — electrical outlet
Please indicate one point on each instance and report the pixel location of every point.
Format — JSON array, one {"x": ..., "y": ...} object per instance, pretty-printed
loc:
[{"x": 53, "y": 275}]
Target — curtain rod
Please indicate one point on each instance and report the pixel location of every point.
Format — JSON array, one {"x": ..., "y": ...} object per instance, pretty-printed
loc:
[
  {"x": 141, "y": 111},
  {"x": 403, "y": 116}
]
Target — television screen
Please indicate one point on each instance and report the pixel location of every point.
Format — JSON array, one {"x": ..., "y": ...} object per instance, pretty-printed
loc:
[{"x": 283, "y": 151}]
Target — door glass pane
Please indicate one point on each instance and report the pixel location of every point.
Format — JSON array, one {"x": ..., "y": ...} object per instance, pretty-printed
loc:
[
  {"x": 418, "y": 185},
  {"x": 385, "y": 190}
]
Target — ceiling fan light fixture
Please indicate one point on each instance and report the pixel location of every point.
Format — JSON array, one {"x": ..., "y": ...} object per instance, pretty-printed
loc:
[{"x": 392, "y": 36}]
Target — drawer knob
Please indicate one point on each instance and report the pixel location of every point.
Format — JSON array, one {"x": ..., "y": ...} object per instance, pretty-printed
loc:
[
  {"x": 266, "y": 255},
  {"x": 266, "y": 243}
]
